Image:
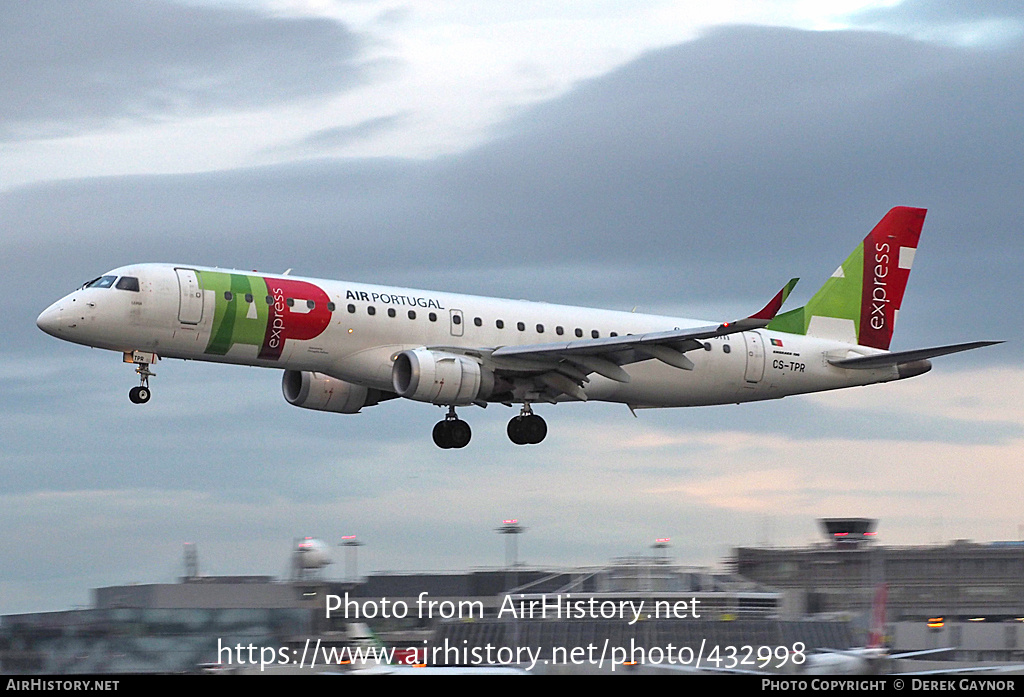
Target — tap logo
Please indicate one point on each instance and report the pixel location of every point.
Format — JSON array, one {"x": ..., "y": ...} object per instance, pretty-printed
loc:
[{"x": 263, "y": 312}]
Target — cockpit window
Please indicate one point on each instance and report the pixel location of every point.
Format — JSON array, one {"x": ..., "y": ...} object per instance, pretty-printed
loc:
[
  {"x": 128, "y": 283},
  {"x": 101, "y": 282}
]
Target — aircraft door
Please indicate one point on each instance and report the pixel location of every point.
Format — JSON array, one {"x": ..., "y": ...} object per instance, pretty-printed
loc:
[
  {"x": 755, "y": 357},
  {"x": 457, "y": 321},
  {"x": 190, "y": 304}
]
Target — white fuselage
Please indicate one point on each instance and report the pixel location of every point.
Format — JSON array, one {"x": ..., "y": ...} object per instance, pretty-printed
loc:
[{"x": 285, "y": 322}]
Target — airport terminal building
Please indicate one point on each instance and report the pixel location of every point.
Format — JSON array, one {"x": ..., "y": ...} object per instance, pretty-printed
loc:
[{"x": 964, "y": 595}]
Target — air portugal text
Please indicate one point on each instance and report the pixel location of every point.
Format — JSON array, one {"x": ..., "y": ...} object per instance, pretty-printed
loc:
[{"x": 393, "y": 299}]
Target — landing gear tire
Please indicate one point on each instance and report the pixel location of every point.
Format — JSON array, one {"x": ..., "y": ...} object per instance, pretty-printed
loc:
[
  {"x": 460, "y": 433},
  {"x": 452, "y": 434},
  {"x": 528, "y": 429},
  {"x": 140, "y": 394}
]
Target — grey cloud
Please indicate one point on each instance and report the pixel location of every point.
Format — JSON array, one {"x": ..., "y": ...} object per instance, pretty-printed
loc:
[
  {"x": 807, "y": 422},
  {"x": 703, "y": 173},
  {"x": 706, "y": 173},
  {"x": 941, "y": 13},
  {"x": 74, "y": 66},
  {"x": 328, "y": 139}
]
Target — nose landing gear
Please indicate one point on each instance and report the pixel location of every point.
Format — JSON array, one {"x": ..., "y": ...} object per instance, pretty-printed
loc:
[
  {"x": 142, "y": 393},
  {"x": 527, "y": 428},
  {"x": 139, "y": 395},
  {"x": 453, "y": 432}
]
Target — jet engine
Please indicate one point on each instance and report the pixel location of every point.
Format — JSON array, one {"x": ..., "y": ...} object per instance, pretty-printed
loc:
[
  {"x": 324, "y": 393},
  {"x": 441, "y": 378}
]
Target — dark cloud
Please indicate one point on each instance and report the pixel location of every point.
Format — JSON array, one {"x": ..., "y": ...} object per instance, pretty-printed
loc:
[
  {"x": 699, "y": 176},
  {"x": 73, "y": 66},
  {"x": 704, "y": 173}
]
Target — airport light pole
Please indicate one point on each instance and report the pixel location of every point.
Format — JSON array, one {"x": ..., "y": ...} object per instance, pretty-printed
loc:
[
  {"x": 191, "y": 561},
  {"x": 511, "y": 528},
  {"x": 659, "y": 547},
  {"x": 351, "y": 545}
]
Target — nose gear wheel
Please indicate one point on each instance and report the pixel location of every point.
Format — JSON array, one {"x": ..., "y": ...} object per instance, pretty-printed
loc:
[{"x": 142, "y": 393}]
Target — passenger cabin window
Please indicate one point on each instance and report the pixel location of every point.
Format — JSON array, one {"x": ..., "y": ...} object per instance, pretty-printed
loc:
[
  {"x": 595, "y": 334},
  {"x": 371, "y": 310},
  {"x": 520, "y": 326},
  {"x": 391, "y": 312},
  {"x": 412, "y": 314},
  {"x": 290, "y": 302},
  {"x": 456, "y": 319},
  {"x": 228, "y": 296},
  {"x": 579, "y": 332},
  {"x": 248, "y": 297},
  {"x": 500, "y": 324},
  {"x": 331, "y": 307},
  {"x": 478, "y": 322},
  {"x": 128, "y": 283},
  {"x": 351, "y": 309},
  {"x": 559, "y": 330},
  {"x": 311, "y": 304},
  {"x": 540, "y": 328},
  {"x": 432, "y": 316}
]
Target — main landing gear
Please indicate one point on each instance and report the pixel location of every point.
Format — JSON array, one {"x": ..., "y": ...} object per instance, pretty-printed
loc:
[
  {"x": 453, "y": 432},
  {"x": 527, "y": 428}
]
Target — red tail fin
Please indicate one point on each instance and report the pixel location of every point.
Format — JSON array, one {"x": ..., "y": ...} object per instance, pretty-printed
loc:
[
  {"x": 888, "y": 255},
  {"x": 876, "y": 638},
  {"x": 859, "y": 303}
]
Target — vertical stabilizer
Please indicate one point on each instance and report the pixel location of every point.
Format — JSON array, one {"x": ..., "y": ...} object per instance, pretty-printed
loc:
[
  {"x": 860, "y": 302},
  {"x": 876, "y": 638}
]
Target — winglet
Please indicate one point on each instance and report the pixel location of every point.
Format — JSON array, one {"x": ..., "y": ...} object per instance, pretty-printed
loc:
[
  {"x": 765, "y": 315},
  {"x": 769, "y": 311}
]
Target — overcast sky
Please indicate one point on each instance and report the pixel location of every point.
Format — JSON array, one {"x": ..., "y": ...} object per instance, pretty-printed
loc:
[{"x": 609, "y": 154}]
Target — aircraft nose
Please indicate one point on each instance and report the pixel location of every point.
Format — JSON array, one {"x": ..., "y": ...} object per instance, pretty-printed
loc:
[{"x": 49, "y": 319}]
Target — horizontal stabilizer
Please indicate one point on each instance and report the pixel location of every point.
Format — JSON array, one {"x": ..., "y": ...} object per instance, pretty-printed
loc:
[{"x": 883, "y": 360}]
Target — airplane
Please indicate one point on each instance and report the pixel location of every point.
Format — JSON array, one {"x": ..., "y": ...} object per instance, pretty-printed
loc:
[
  {"x": 344, "y": 346},
  {"x": 876, "y": 659},
  {"x": 872, "y": 659}
]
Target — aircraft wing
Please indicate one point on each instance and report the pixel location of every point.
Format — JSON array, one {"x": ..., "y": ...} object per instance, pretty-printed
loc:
[
  {"x": 562, "y": 367},
  {"x": 882, "y": 360},
  {"x": 650, "y": 345}
]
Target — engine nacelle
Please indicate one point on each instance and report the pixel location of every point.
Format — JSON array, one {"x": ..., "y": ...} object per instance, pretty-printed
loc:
[
  {"x": 441, "y": 378},
  {"x": 324, "y": 393}
]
